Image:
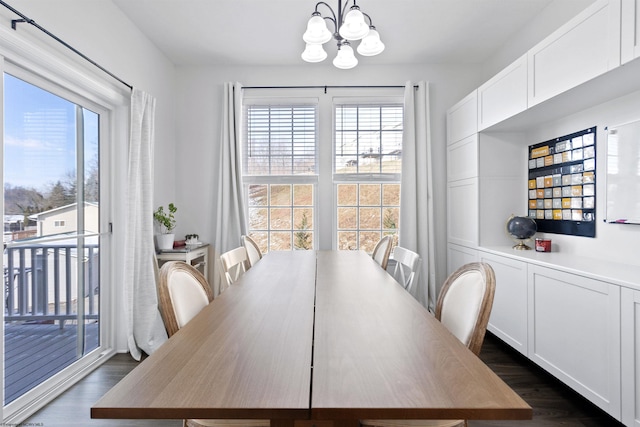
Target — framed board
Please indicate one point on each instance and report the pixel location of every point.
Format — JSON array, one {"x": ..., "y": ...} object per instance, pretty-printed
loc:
[
  {"x": 623, "y": 174},
  {"x": 562, "y": 184}
]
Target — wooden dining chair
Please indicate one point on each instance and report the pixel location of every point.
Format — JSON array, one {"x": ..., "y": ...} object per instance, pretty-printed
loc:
[
  {"x": 183, "y": 292},
  {"x": 407, "y": 267},
  {"x": 254, "y": 254},
  {"x": 381, "y": 251},
  {"x": 234, "y": 264},
  {"x": 463, "y": 307}
]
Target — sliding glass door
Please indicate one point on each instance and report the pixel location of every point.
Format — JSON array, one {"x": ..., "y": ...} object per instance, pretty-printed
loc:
[{"x": 52, "y": 233}]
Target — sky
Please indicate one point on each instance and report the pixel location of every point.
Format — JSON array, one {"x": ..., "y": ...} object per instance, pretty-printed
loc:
[{"x": 40, "y": 135}]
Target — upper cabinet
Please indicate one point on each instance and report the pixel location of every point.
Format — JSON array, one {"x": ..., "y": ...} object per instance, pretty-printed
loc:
[
  {"x": 462, "y": 118},
  {"x": 630, "y": 48},
  {"x": 503, "y": 96},
  {"x": 584, "y": 48}
]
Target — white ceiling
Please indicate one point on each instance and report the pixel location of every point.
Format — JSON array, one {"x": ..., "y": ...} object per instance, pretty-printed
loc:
[{"x": 269, "y": 32}]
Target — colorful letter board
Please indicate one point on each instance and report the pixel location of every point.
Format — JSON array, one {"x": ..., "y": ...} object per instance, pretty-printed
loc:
[{"x": 562, "y": 184}]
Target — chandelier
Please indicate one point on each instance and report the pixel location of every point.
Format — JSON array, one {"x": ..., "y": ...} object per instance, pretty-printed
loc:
[{"x": 347, "y": 27}]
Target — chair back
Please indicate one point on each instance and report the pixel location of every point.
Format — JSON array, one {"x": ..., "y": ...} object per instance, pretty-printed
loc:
[
  {"x": 382, "y": 251},
  {"x": 465, "y": 302},
  {"x": 254, "y": 254},
  {"x": 233, "y": 264},
  {"x": 183, "y": 292},
  {"x": 407, "y": 267}
]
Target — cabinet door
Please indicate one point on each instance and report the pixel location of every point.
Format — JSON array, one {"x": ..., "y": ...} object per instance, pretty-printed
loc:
[
  {"x": 508, "y": 319},
  {"x": 457, "y": 256},
  {"x": 462, "y": 158},
  {"x": 630, "y": 31},
  {"x": 630, "y": 330},
  {"x": 462, "y": 118},
  {"x": 574, "y": 333},
  {"x": 504, "y": 96},
  {"x": 462, "y": 216},
  {"x": 585, "y": 47}
]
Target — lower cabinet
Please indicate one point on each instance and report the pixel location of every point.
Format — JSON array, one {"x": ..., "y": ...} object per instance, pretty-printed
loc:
[
  {"x": 457, "y": 256},
  {"x": 574, "y": 333},
  {"x": 630, "y": 332},
  {"x": 508, "y": 319}
]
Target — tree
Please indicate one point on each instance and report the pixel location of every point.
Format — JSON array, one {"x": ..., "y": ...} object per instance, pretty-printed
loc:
[{"x": 303, "y": 239}]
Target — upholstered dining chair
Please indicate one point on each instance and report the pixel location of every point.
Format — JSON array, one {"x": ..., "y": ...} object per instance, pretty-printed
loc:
[
  {"x": 381, "y": 251},
  {"x": 234, "y": 264},
  {"x": 463, "y": 307},
  {"x": 407, "y": 267},
  {"x": 183, "y": 292},
  {"x": 254, "y": 254}
]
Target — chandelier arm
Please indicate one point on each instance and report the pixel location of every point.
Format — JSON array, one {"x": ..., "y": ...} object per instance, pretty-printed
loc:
[
  {"x": 343, "y": 10},
  {"x": 369, "y": 18},
  {"x": 335, "y": 19}
]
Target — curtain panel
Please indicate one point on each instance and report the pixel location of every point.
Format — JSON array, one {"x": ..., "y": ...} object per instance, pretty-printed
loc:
[
  {"x": 145, "y": 328},
  {"x": 229, "y": 205},
  {"x": 416, "y": 203}
]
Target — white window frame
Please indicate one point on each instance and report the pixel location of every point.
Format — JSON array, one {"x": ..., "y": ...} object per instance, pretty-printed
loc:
[
  {"x": 310, "y": 179},
  {"x": 35, "y": 63},
  {"x": 359, "y": 178}
]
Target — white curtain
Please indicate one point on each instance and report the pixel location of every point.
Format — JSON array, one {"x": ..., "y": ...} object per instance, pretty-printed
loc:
[
  {"x": 416, "y": 203},
  {"x": 145, "y": 329},
  {"x": 230, "y": 219}
]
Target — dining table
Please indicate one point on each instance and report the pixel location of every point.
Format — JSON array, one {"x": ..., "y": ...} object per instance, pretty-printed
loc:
[{"x": 313, "y": 338}]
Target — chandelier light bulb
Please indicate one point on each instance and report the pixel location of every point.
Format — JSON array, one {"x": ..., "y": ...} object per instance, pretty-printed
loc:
[
  {"x": 345, "y": 58},
  {"x": 314, "y": 53},
  {"x": 371, "y": 45},
  {"x": 354, "y": 27},
  {"x": 317, "y": 31}
]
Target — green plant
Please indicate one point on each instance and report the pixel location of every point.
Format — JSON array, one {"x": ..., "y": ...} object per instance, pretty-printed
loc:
[{"x": 165, "y": 220}]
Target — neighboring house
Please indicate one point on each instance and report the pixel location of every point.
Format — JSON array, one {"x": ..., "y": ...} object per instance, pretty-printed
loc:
[{"x": 65, "y": 219}]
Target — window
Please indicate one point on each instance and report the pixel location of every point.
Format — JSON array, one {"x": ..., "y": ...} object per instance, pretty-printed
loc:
[
  {"x": 323, "y": 172},
  {"x": 280, "y": 174},
  {"x": 367, "y": 171},
  {"x": 59, "y": 223}
]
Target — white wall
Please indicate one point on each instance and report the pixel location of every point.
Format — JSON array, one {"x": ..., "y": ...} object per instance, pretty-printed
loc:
[
  {"x": 613, "y": 242},
  {"x": 200, "y": 91}
]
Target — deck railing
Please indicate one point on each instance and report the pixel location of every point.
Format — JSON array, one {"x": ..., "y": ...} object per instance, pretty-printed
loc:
[{"x": 41, "y": 282}]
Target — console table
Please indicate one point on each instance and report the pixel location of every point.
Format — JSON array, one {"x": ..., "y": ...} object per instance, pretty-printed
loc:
[{"x": 196, "y": 255}]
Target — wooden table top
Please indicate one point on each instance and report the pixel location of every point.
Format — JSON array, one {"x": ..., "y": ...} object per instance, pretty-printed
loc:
[
  {"x": 377, "y": 353},
  {"x": 246, "y": 355}
]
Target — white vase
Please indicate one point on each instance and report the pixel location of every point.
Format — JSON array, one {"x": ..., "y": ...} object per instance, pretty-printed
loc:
[{"x": 165, "y": 241}]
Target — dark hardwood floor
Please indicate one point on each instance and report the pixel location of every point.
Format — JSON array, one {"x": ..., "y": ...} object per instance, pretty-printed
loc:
[{"x": 553, "y": 403}]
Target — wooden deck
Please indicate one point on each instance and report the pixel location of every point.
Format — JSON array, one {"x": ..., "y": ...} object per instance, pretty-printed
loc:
[{"x": 35, "y": 352}]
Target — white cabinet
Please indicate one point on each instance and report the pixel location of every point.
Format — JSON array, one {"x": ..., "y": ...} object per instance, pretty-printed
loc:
[
  {"x": 630, "y": 31},
  {"x": 462, "y": 118},
  {"x": 630, "y": 332},
  {"x": 462, "y": 158},
  {"x": 574, "y": 333},
  {"x": 504, "y": 95},
  {"x": 457, "y": 256},
  {"x": 585, "y": 47},
  {"x": 508, "y": 319},
  {"x": 462, "y": 212}
]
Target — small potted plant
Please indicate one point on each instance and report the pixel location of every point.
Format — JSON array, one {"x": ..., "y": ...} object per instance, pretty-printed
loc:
[{"x": 166, "y": 222}]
